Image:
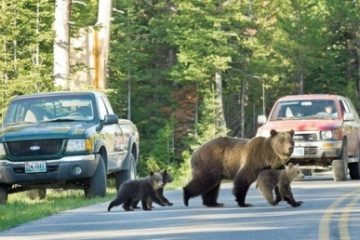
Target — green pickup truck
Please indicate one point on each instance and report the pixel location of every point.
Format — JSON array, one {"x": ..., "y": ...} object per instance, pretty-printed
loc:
[{"x": 68, "y": 140}]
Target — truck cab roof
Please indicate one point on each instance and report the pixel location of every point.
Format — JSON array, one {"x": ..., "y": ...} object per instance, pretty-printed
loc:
[{"x": 62, "y": 93}]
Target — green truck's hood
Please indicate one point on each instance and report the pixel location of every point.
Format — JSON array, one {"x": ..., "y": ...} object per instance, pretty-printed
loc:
[{"x": 48, "y": 130}]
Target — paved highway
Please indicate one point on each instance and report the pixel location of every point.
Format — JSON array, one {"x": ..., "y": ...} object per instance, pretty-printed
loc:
[{"x": 331, "y": 210}]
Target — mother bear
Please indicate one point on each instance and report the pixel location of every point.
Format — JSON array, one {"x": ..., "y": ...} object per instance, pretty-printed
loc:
[{"x": 238, "y": 159}]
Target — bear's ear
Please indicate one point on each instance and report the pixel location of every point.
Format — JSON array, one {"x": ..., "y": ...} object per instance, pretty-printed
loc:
[
  {"x": 151, "y": 173},
  {"x": 291, "y": 132},
  {"x": 290, "y": 165},
  {"x": 273, "y": 132}
]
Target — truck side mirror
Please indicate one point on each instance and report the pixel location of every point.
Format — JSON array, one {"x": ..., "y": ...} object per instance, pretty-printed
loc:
[
  {"x": 261, "y": 119},
  {"x": 348, "y": 116},
  {"x": 111, "y": 119}
]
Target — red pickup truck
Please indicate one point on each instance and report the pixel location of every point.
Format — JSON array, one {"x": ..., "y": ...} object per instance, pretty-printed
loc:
[{"x": 327, "y": 131}]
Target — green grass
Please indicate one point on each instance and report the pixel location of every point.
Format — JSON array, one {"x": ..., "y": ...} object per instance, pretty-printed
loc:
[{"x": 21, "y": 209}]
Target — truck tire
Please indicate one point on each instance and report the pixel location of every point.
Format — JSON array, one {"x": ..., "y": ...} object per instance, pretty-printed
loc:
[
  {"x": 37, "y": 193},
  {"x": 354, "y": 167},
  {"x": 3, "y": 194},
  {"x": 340, "y": 166},
  {"x": 97, "y": 183},
  {"x": 127, "y": 174},
  {"x": 354, "y": 170}
]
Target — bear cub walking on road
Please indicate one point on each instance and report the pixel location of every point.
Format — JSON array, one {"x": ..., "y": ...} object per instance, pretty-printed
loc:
[
  {"x": 279, "y": 181},
  {"x": 166, "y": 178},
  {"x": 138, "y": 190}
]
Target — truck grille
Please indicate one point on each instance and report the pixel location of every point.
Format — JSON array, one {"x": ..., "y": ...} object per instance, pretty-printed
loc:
[
  {"x": 32, "y": 148},
  {"x": 310, "y": 150},
  {"x": 306, "y": 137}
]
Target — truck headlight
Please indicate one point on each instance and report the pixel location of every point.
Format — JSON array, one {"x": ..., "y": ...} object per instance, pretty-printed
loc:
[
  {"x": 2, "y": 150},
  {"x": 327, "y": 134},
  {"x": 79, "y": 145}
]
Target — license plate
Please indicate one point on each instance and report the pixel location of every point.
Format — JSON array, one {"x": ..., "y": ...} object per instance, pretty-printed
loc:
[
  {"x": 35, "y": 167},
  {"x": 298, "y": 152}
]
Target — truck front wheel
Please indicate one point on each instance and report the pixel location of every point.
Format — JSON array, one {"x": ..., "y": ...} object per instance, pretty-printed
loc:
[
  {"x": 96, "y": 186},
  {"x": 127, "y": 174},
  {"x": 340, "y": 166},
  {"x": 3, "y": 194}
]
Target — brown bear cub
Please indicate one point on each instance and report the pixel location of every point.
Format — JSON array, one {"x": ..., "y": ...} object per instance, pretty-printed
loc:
[
  {"x": 167, "y": 178},
  {"x": 238, "y": 159},
  {"x": 138, "y": 190},
  {"x": 279, "y": 181}
]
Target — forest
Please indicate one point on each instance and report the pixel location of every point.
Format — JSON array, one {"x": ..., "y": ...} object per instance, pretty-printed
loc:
[{"x": 185, "y": 71}]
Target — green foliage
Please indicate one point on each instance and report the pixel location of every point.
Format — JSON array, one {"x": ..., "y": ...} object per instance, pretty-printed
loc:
[
  {"x": 182, "y": 175},
  {"x": 161, "y": 152},
  {"x": 83, "y": 14},
  {"x": 159, "y": 48},
  {"x": 25, "y": 29}
]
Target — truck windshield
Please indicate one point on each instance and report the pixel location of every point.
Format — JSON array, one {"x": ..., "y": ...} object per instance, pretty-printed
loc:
[
  {"x": 50, "y": 108},
  {"x": 305, "y": 109}
]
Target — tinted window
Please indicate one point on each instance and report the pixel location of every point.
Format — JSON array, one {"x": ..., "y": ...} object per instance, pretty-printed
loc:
[
  {"x": 32, "y": 110},
  {"x": 304, "y": 109},
  {"x": 102, "y": 108}
]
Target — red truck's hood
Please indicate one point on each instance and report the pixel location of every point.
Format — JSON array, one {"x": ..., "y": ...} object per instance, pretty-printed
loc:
[{"x": 299, "y": 125}]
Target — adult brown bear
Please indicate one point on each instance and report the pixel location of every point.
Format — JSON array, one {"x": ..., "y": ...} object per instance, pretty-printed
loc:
[{"x": 238, "y": 159}]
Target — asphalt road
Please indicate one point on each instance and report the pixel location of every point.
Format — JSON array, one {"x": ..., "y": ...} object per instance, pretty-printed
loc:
[{"x": 331, "y": 210}]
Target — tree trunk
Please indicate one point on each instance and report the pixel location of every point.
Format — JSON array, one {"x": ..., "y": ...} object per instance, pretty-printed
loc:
[
  {"x": 61, "y": 44},
  {"x": 129, "y": 95},
  {"x": 301, "y": 81},
  {"x": 242, "y": 108},
  {"x": 220, "y": 121},
  {"x": 37, "y": 53},
  {"x": 358, "y": 68},
  {"x": 102, "y": 42},
  {"x": 300, "y": 69},
  {"x": 196, "y": 117}
]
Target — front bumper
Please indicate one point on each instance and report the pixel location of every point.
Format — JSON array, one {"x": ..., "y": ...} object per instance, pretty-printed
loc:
[
  {"x": 304, "y": 150},
  {"x": 59, "y": 170}
]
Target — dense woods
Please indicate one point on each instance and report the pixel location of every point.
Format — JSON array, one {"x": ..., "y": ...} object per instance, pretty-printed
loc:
[{"x": 186, "y": 70}]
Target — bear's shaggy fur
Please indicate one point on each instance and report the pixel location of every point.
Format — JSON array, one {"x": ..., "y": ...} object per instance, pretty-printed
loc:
[
  {"x": 279, "y": 181},
  {"x": 238, "y": 159},
  {"x": 138, "y": 190},
  {"x": 167, "y": 178}
]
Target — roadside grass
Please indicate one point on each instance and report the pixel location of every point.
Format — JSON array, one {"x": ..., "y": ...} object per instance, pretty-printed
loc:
[{"x": 20, "y": 208}]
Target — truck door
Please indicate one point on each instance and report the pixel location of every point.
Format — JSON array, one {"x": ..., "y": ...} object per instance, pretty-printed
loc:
[
  {"x": 113, "y": 136},
  {"x": 351, "y": 126}
]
